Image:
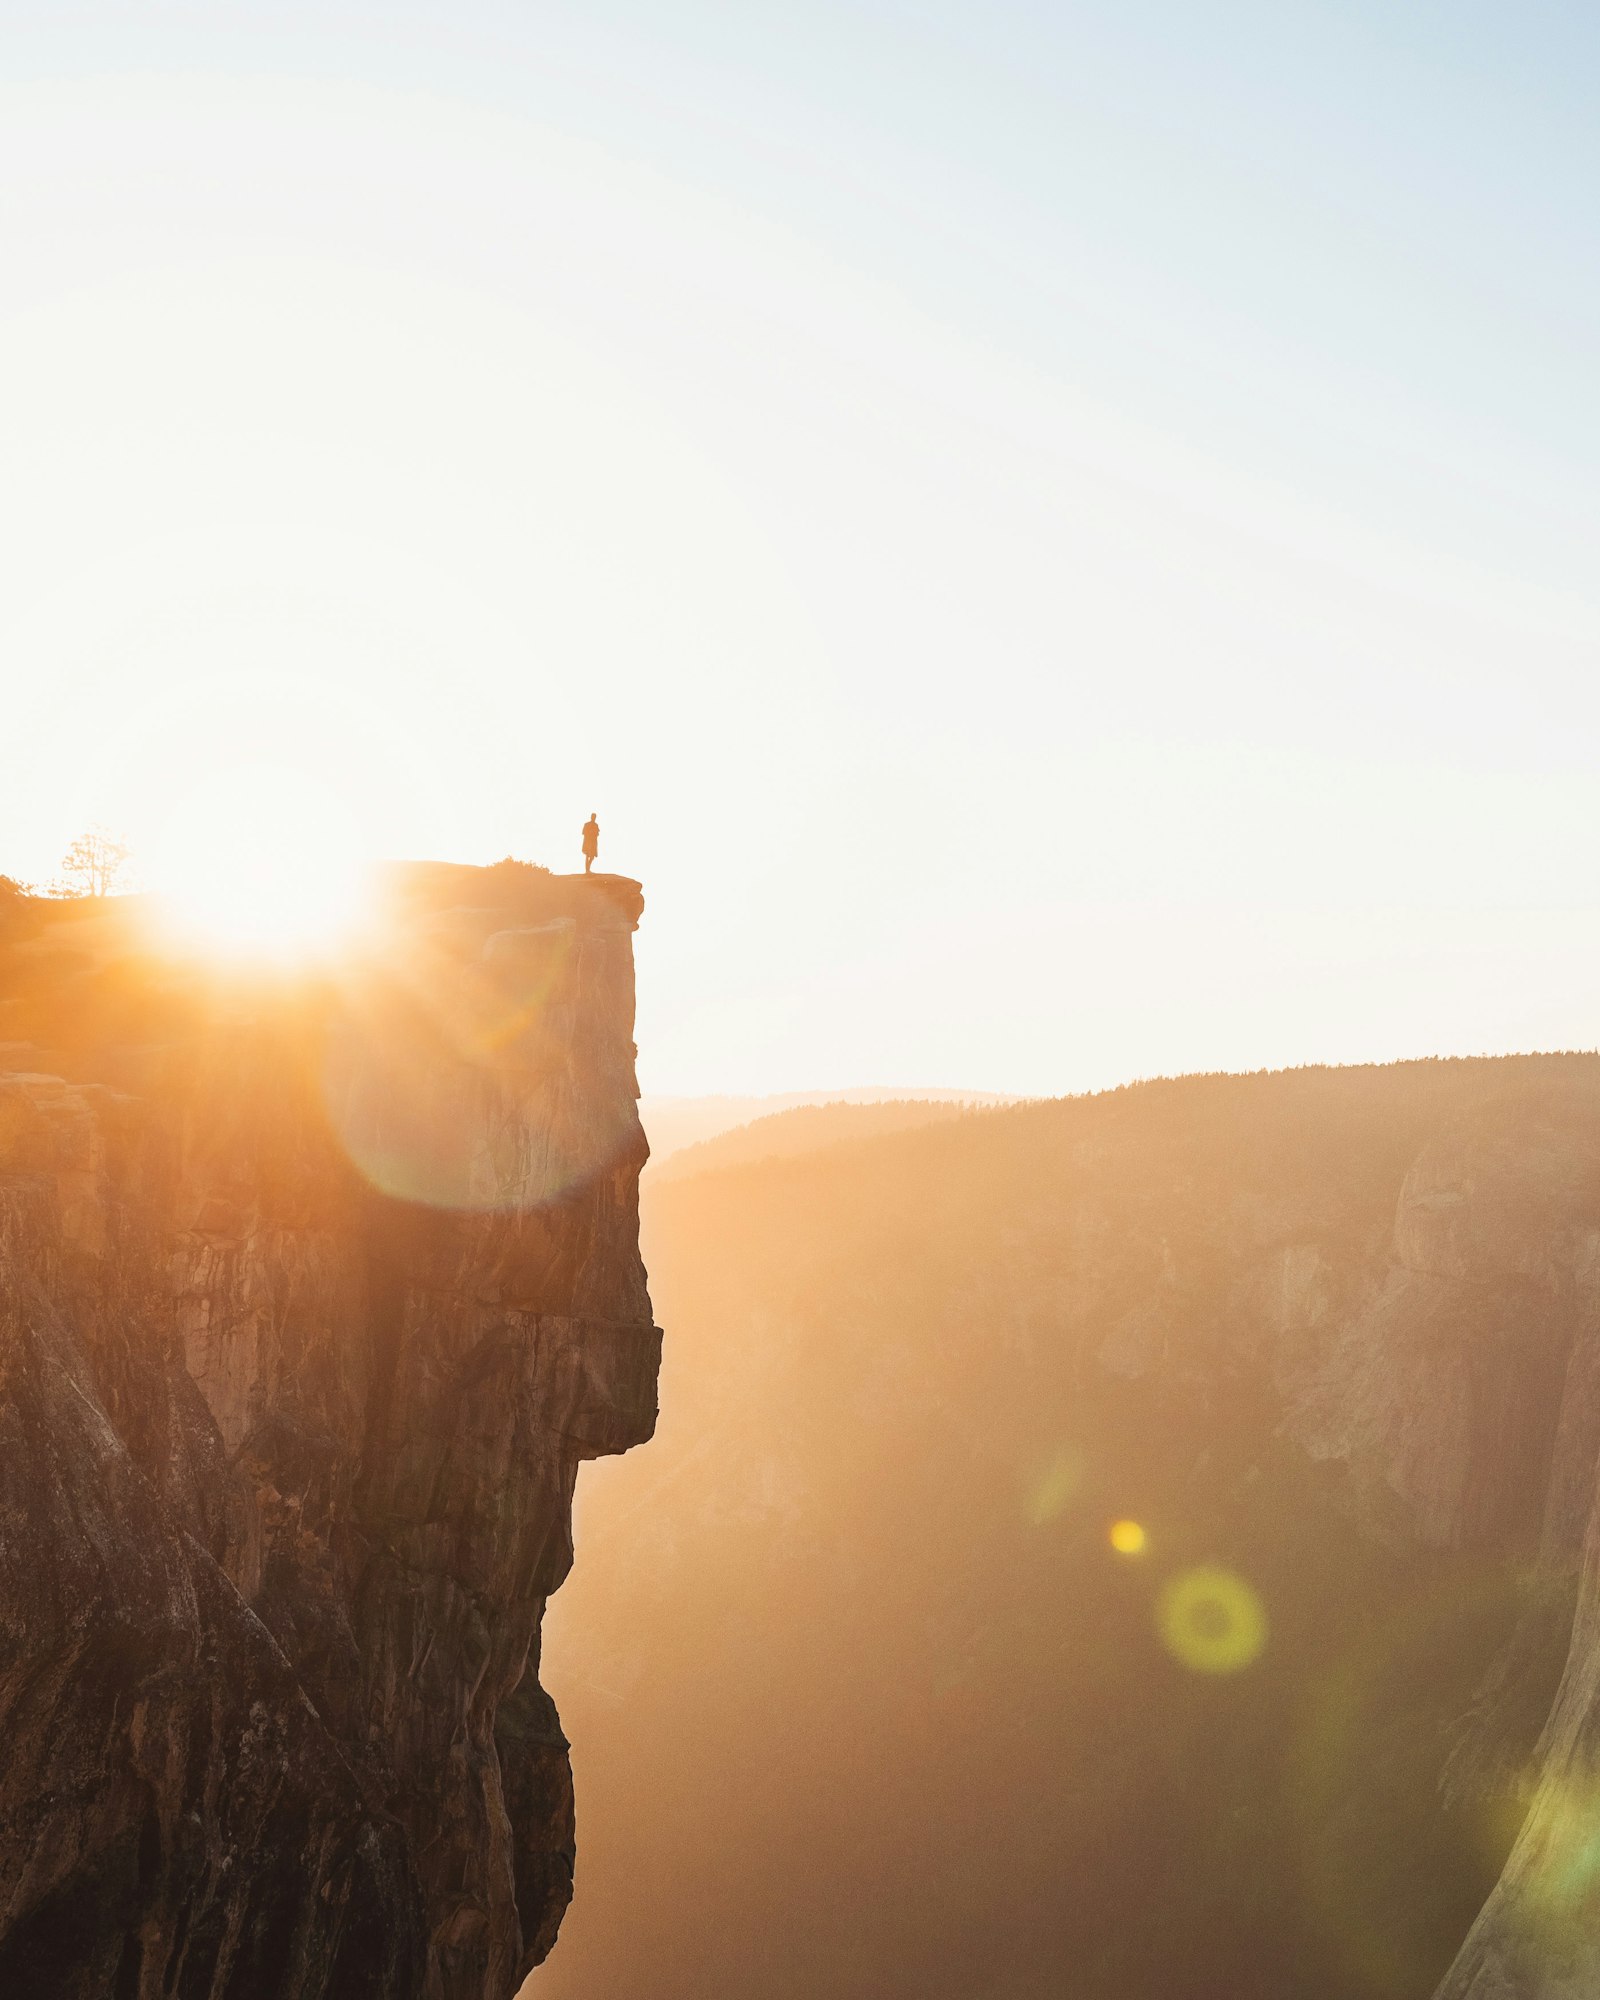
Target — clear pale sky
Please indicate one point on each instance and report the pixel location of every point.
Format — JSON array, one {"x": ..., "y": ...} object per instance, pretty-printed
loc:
[{"x": 1059, "y": 540}]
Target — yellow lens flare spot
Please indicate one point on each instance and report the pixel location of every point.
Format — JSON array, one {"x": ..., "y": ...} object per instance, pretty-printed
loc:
[
  {"x": 1128, "y": 1538},
  {"x": 1211, "y": 1620},
  {"x": 1057, "y": 1486}
]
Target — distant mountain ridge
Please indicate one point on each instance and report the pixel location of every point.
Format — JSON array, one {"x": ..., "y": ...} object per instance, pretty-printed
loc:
[
  {"x": 786, "y": 1135},
  {"x": 672, "y": 1123}
]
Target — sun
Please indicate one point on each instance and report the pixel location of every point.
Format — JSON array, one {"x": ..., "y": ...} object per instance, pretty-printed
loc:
[{"x": 260, "y": 862}]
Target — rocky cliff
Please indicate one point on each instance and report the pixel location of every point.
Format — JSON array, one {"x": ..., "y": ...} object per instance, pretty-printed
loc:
[{"x": 314, "y": 1294}]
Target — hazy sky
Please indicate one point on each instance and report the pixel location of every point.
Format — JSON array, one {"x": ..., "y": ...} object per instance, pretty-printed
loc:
[{"x": 1060, "y": 540}]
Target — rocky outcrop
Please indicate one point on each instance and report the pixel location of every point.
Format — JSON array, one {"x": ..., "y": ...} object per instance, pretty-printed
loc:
[{"x": 314, "y": 1294}]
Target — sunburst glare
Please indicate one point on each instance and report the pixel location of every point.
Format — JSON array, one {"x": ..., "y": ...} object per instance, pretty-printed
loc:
[{"x": 262, "y": 862}]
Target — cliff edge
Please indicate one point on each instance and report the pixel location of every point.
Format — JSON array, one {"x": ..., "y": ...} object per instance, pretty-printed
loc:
[{"x": 314, "y": 1294}]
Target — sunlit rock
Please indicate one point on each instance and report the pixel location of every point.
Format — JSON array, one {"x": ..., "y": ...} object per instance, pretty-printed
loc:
[{"x": 316, "y": 1286}]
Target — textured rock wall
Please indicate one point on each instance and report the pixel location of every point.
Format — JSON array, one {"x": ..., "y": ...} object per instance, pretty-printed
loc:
[
  {"x": 314, "y": 1294},
  {"x": 1455, "y": 1380}
]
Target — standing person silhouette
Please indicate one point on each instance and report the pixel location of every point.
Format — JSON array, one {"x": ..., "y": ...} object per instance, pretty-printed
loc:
[{"x": 591, "y": 842}]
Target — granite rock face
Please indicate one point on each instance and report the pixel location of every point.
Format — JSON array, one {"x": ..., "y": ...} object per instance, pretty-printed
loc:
[
  {"x": 314, "y": 1295},
  {"x": 1452, "y": 1382}
]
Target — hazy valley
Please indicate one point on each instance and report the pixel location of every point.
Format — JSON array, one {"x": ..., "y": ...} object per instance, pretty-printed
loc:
[{"x": 866, "y": 1702}]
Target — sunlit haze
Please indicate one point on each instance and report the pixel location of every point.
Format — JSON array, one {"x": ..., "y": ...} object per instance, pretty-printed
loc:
[
  {"x": 800, "y": 1134},
  {"x": 1058, "y": 541}
]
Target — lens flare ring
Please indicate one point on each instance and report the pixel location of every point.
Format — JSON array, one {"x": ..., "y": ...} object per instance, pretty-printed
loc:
[{"x": 1211, "y": 1620}]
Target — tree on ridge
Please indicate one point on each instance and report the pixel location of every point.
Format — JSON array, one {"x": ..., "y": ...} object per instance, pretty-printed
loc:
[{"x": 92, "y": 864}]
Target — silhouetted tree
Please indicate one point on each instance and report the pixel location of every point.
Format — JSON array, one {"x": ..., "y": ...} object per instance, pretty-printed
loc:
[{"x": 92, "y": 863}]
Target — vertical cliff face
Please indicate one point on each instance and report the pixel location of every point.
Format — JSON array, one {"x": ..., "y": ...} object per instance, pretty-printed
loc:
[{"x": 313, "y": 1297}]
